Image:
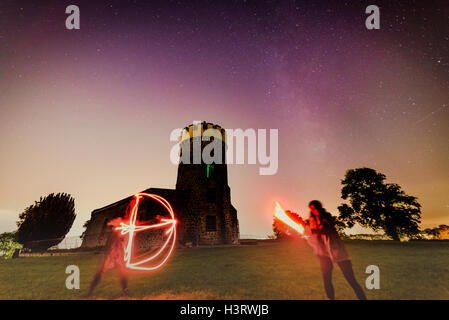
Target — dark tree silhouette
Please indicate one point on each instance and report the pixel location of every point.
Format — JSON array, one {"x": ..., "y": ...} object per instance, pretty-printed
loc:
[
  {"x": 378, "y": 205},
  {"x": 46, "y": 222},
  {"x": 85, "y": 225},
  {"x": 278, "y": 231}
]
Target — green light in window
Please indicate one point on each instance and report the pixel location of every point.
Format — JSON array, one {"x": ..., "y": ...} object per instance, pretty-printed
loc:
[{"x": 210, "y": 169}]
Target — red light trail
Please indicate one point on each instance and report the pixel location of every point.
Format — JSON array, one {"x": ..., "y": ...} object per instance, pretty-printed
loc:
[
  {"x": 280, "y": 214},
  {"x": 132, "y": 228}
]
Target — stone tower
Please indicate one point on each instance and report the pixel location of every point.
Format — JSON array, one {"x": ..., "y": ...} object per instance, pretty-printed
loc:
[
  {"x": 214, "y": 218},
  {"x": 201, "y": 200}
]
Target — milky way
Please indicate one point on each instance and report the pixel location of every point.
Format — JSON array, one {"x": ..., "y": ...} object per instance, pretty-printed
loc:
[{"x": 89, "y": 111}]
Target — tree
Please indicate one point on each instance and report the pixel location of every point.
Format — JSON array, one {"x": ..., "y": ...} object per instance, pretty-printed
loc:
[
  {"x": 430, "y": 233},
  {"x": 46, "y": 222},
  {"x": 378, "y": 205},
  {"x": 85, "y": 225},
  {"x": 277, "y": 233},
  {"x": 441, "y": 232},
  {"x": 8, "y": 244}
]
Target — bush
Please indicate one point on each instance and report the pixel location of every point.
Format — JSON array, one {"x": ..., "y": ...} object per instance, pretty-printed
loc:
[{"x": 8, "y": 245}]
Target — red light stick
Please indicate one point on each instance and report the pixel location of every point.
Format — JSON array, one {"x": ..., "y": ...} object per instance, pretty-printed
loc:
[
  {"x": 280, "y": 214},
  {"x": 131, "y": 229}
]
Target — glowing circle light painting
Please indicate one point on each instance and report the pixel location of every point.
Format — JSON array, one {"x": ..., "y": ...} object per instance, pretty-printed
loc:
[{"x": 166, "y": 226}]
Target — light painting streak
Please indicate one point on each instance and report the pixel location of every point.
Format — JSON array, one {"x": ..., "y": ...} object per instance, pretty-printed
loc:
[
  {"x": 280, "y": 214},
  {"x": 131, "y": 229}
]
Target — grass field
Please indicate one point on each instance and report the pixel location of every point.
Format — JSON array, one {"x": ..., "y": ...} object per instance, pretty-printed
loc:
[{"x": 415, "y": 270}]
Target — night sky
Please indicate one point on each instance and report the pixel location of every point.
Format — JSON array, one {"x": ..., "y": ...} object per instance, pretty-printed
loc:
[{"x": 89, "y": 111}]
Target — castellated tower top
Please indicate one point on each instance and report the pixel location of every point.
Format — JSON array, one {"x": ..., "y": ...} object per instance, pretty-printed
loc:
[{"x": 202, "y": 129}]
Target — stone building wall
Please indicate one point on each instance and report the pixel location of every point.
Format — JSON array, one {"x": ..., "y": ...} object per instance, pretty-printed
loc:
[{"x": 198, "y": 200}]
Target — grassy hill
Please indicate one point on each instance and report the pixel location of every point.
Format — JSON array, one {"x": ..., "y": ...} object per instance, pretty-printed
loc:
[{"x": 266, "y": 271}]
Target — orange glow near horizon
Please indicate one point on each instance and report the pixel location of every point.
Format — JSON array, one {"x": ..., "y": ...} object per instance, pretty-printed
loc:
[
  {"x": 280, "y": 214},
  {"x": 131, "y": 229}
]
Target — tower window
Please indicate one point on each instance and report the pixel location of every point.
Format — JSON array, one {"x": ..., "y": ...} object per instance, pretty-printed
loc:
[
  {"x": 211, "y": 195},
  {"x": 211, "y": 223}
]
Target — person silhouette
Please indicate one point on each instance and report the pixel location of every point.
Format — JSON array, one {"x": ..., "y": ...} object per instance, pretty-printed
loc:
[
  {"x": 113, "y": 257},
  {"x": 322, "y": 236}
]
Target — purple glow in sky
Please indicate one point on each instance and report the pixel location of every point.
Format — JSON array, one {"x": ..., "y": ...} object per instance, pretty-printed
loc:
[{"x": 89, "y": 111}]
